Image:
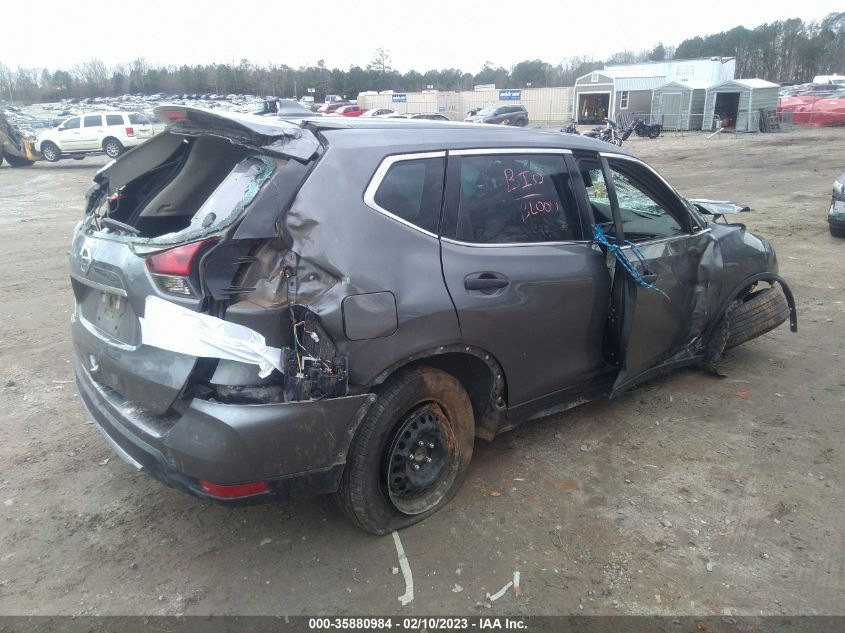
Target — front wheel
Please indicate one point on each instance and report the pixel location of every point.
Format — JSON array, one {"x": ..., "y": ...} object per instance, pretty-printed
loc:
[
  {"x": 411, "y": 453},
  {"x": 836, "y": 231},
  {"x": 112, "y": 147},
  {"x": 50, "y": 152}
]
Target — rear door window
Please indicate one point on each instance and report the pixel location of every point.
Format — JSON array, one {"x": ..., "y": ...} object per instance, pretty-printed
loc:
[
  {"x": 93, "y": 120},
  {"x": 138, "y": 119},
  {"x": 412, "y": 191},
  {"x": 517, "y": 199}
]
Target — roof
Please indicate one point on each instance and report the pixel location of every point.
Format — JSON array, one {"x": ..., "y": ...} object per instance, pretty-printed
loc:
[
  {"x": 406, "y": 135},
  {"x": 296, "y": 138},
  {"x": 676, "y": 59},
  {"x": 749, "y": 83},
  {"x": 689, "y": 85},
  {"x": 639, "y": 83}
]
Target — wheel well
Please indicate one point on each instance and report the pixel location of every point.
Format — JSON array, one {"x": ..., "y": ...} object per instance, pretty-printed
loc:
[
  {"x": 742, "y": 289},
  {"x": 483, "y": 379}
]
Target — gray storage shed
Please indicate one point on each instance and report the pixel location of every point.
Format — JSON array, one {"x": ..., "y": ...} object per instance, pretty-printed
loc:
[
  {"x": 679, "y": 105},
  {"x": 736, "y": 104}
]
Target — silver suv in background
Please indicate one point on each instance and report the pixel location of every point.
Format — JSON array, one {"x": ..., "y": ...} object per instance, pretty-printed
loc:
[{"x": 500, "y": 115}]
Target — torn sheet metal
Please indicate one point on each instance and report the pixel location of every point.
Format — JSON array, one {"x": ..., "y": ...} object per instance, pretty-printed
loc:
[
  {"x": 718, "y": 207},
  {"x": 270, "y": 134},
  {"x": 171, "y": 327}
]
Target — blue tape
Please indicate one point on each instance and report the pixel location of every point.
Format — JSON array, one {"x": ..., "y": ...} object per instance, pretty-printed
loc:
[{"x": 601, "y": 238}]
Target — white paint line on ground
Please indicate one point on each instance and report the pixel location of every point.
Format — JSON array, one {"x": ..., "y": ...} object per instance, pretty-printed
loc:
[{"x": 406, "y": 571}]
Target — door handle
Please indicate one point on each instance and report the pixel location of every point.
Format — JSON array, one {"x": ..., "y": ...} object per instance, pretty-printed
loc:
[{"x": 485, "y": 281}]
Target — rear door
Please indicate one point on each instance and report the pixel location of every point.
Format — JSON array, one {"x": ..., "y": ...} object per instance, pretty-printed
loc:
[
  {"x": 665, "y": 245},
  {"x": 92, "y": 132},
  {"x": 670, "y": 108},
  {"x": 526, "y": 282}
]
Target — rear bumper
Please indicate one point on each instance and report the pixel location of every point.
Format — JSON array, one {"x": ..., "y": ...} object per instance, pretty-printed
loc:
[{"x": 298, "y": 448}]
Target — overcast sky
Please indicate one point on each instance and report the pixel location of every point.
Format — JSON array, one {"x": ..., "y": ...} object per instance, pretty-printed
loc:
[{"x": 419, "y": 35}]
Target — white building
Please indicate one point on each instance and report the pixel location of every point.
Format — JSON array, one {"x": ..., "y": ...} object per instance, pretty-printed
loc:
[{"x": 627, "y": 89}]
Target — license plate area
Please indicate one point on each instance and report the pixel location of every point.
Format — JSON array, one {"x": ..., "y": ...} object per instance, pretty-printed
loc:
[{"x": 111, "y": 309}]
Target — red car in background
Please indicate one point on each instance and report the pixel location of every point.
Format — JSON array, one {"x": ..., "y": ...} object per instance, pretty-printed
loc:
[
  {"x": 331, "y": 108},
  {"x": 350, "y": 110}
]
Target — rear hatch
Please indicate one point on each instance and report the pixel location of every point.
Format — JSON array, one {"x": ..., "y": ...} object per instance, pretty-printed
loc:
[{"x": 153, "y": 220}]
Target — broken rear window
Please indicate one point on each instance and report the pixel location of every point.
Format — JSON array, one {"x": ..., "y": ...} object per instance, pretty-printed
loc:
[{"x": 198, "y": 188}]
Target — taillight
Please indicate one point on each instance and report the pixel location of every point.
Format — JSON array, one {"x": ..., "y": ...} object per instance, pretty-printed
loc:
[
  {"x": 172, "y": 268},
  {"x": 239, "y": 490},
  {"x": 130, "y": 131},
  {"x": 175, "y": 115}
]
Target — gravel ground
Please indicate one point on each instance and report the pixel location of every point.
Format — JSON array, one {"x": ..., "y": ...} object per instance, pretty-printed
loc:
[{"x": 689, "y": 495}]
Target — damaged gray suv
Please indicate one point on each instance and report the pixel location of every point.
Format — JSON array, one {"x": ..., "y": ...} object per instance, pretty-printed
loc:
[{"x": 268, "y": 309}]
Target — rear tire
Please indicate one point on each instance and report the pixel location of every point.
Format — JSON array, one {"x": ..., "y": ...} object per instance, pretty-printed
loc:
[
  {"x": 836, "y": 231},
  {"x": 761, "y": 312},
  {"x": 654, "y": 132},
  {"x": 112, "y": 147},
  {"x": 411, "y": 453},
  {"x": 50, "y": 152},
  {"x": 521, "y": 123}
]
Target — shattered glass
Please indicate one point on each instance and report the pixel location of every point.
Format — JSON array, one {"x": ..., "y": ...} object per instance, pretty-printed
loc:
[{"x": 228, "y": 200}]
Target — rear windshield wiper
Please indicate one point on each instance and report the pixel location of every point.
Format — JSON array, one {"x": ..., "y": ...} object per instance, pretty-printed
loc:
[{"x": 119, "y": 226}]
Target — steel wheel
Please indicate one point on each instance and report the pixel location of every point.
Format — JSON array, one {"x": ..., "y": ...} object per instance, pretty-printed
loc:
[
  {"x": 421, "y": 462},
  {"x": 392, "y": 481}
]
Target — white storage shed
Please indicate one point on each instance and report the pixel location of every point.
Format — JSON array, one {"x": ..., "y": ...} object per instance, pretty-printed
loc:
[{"x": 736, "y": 104}]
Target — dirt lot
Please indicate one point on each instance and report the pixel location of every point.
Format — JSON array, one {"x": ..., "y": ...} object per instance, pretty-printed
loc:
[{"x": 690, "y": 495}]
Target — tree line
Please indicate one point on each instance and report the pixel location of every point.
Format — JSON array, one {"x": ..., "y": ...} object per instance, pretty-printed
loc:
[{"x": 783, "y": 51}]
